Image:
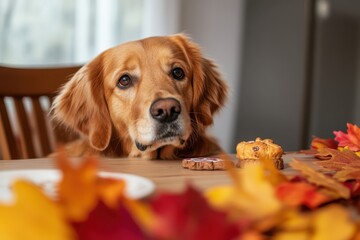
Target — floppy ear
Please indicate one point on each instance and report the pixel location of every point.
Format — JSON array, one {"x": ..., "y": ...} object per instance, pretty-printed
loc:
[
  {"x": 81, "y": 105},
  {"x": 210, "y": 90}
]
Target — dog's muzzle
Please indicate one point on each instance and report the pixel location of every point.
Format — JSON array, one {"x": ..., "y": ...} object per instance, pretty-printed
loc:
[{"x": 165, "y": 111}]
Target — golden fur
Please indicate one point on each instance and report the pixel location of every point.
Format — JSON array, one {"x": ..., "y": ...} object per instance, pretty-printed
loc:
[{"x": 114, "y": 120}]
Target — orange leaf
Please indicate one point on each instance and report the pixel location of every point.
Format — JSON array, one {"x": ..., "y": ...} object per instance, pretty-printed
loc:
[
  {"x": 80, "y": 188},
  {"x": 110, "y": 190},
  {"x": 350, "y": 139},
  {"x": 338, "y": 159},
  {"x": 320, "y": 179},
  {"x": 77, "y": 191},
  {"x": 300, "y": 193},
  {"x": 319, "y": 143}
]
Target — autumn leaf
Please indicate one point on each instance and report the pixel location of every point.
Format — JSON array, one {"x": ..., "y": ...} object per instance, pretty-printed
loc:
[
  {"x": 274, "y": 176},
  {"x": 341, "y": 149},
  {"x": 320, "y": 143},
  {"x": 252, "y": 235},
  {"x": 347, "y": 174},
  {"x": 320, "y": 179},
  {"x": 32, "y": 216},
  {"x": 110, "y": 190},
  {"x": 252, "y": 195},
  {"x": 108, "y": 223},
  {"x": 354, "y": 187},
  {"x": 294, "y": 194},
  {"x": 350, "y": 139},
  {"x": 329, "y": 222},
  {"x": 344, "y": 161},
  {"x": 338, "y": 159},
  {"x": 80, "y": 188},
  {"x": 294, "y": 224},
  {"x": 189, "y": 216},
  {"x": 332, "y": 222},
  {"x": 293, "y": 235},
  {"x": 76, "y": 190}
]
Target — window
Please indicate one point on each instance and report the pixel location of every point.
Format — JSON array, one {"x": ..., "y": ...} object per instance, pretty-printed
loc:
[{"x": 51, "y": 32}]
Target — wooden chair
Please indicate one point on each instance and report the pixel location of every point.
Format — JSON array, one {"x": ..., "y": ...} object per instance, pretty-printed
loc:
[{"x": 25, "y": 129}]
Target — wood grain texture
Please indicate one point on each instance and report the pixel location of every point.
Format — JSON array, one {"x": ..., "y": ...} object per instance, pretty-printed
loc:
[{"x": 168, "y": 175}]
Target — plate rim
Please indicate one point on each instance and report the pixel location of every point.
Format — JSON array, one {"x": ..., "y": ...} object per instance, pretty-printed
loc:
[{"x": 150, "y": 185}]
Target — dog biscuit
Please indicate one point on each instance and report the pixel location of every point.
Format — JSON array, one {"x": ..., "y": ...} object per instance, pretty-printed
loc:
[{"x": 204, "y": 163}]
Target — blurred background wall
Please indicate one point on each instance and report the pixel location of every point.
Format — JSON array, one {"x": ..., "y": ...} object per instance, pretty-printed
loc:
[
  {"x": 272, "y": 85},
  {"x": 293, "y": 66},
  {"x": 218, "y": 27}
]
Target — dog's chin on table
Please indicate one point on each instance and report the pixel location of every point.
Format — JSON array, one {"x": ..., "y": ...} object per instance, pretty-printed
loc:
[{"x": 159, "y": 149}]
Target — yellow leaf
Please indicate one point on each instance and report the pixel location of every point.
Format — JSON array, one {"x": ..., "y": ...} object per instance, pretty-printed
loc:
[
  {"x": 220, "y": 196},
  {"x": 252, "y": 194},
  {"x": 320, "y": 179},
  {"x": 293, "y": 225},
  {"x": 293, "y": 220},
  {"x": 274, "y": 175},
  {"x": 332, "y": 222},
  {"x": 32, "y": 216}
]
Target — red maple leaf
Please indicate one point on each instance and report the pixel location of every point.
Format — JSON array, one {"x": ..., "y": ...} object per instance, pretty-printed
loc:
[
  {"x": 350, "y": 139},
  {"x": 189, "y": 216},
  {"x": 110, "y": 224}
]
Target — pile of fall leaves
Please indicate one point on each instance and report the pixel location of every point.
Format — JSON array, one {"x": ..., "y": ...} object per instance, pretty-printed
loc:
[{"x": 262, "y": 203}]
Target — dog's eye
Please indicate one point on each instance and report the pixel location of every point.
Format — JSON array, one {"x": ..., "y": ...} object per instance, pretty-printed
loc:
[
  {"x": 178, "y": 73},
  {"x": 124, "y": 82}
]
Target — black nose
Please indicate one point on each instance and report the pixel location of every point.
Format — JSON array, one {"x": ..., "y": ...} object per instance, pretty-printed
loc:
[{"x": 165, "y": 109}]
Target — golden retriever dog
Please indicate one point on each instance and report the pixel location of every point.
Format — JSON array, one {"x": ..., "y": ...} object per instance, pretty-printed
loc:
[{"x": 151, "y": 98}]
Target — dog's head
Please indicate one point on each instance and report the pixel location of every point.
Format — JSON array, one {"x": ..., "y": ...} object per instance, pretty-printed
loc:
[{"x": 152, "y": 92}]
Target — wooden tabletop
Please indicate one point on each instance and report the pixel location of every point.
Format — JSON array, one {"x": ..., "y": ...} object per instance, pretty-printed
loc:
[{"x": 168, "y": 175}]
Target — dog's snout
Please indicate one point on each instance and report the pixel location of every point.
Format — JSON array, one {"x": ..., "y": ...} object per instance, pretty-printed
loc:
[{"x": 165, "y": 109}]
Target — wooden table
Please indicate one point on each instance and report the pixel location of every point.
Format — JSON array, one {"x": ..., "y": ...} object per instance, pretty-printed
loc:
[{"x": 168, "y": 175}]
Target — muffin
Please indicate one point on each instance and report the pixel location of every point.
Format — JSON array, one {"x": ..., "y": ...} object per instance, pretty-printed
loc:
[{"x": 250, "y": 152}]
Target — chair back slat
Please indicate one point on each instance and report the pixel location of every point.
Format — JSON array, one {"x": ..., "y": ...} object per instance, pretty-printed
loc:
[
  {"x": 25, "y": 129},
  {"x": 42, "y": 130},
  {"x": 9, "y": 146}
]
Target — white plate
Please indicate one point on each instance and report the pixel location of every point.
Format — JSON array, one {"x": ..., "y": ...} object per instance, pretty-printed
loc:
[{"x": 136, "y": 186}]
